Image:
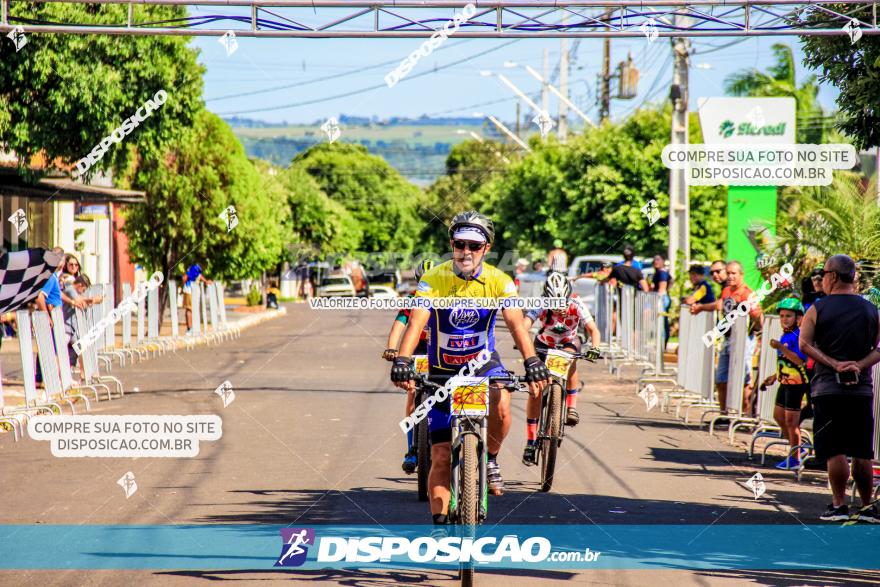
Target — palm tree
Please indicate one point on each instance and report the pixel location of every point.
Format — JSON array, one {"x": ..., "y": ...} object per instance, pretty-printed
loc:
[
  {"x": 843, "y": 217},
  {"x": 779, "y": 81}
]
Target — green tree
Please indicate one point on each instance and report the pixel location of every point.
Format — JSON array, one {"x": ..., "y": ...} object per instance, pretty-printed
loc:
[
  {"x": 469, "y": 166},
  {"x": 828, "y": 220},
  {"x": 852, "y": 69},
  {"x": 779, "y": 81},
  {"x": 384, "y": 204},
  {"x": 590, "y": 192},
  {"x": 188, "y": 189},
  {"x": 62, "y": 94},
  {"x": 318, "y": 224}
]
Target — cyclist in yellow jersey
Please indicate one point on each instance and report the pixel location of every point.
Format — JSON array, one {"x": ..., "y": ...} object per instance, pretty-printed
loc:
[{"x": 458, "y": 335}]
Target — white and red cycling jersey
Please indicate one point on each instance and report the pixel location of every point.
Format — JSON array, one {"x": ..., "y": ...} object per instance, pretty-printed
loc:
[{"x": 561, "y": 328}]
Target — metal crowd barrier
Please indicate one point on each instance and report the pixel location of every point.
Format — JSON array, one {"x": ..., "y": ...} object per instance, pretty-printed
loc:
[
  {"x": 695, "y": 378},
  {"x": 625, "y": 328},
  {"x": 605, "y": 316},
  {"x": 736, "y": 373},
  {"x": 767, "y": 428}
]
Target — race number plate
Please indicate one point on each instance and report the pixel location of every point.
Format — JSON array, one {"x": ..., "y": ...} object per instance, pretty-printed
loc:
[
  {"x": 470, "y": 396},
  {"x": 558, "y": 363},
  {"x": 421, "y": 363}
]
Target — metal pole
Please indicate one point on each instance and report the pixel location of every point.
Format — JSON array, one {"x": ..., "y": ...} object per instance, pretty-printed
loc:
[
  {"x": 518, "y": 117},
  {"x": 563, "y": 85},
  {"x": 605, "y": 105},
  {"x": 545, "y": 96},
  {"x": 507, "y": 131},
  {"x": 562, "y": 97},
  {"x": 519, "y": 93},
  {"x": 679, "y": 208}
]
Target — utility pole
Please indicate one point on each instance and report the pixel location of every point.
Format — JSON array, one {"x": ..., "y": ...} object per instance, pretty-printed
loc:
[
  {"x": 605, "y": 94},
  {"x": 545, "y": 95},
  {"x": 563, "y": 87},
  {"x": 518, "y": 116},
  {"x": 679, "y": 206}
]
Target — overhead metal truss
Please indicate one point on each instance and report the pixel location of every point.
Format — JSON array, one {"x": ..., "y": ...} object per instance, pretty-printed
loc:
[{"x": 493, "y": 19}]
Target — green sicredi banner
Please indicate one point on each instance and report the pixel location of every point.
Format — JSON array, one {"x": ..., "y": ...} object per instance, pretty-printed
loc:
[{"x": 751, "y": 221}]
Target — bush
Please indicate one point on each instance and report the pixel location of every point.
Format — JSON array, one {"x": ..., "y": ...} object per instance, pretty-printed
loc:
[{"x": 254, "y": 297}]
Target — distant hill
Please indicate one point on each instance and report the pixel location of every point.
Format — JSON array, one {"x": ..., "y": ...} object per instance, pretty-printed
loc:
[{"x": 417, "y": 148}]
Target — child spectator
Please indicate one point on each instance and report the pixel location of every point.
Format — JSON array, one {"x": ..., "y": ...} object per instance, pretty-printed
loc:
[{"x": 792, "y": 376}]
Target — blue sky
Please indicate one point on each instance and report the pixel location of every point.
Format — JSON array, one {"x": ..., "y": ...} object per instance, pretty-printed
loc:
[{"x": 261, "y": 64}]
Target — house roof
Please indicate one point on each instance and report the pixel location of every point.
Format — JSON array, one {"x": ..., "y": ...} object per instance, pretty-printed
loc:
[{"x": 12, "y": 184}]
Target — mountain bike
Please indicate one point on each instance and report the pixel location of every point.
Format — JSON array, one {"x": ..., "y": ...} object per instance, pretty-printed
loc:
[
  {"x": 551, "y": 426},
  {"x": 469, "y": 407}
]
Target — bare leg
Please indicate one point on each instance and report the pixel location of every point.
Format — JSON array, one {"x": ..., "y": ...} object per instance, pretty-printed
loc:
[
  {"x": 499, "y": 418},
  {"x": 440, "y": 477},
  {"x": 779, "y": 417},
  {"x": 864, "y": 478},
  {"x": 792, "y": 423},
  {"x": 721, "y": 388},
  {"x": 838, "y": 475}
]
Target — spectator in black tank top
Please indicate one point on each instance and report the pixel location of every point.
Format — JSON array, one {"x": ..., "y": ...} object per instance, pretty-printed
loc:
[{"x": 841, "y": 332}]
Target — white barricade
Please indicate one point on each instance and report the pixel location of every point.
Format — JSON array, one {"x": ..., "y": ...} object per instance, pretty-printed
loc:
[
  {"x": 153, "y": 313},
  {"x": 696, "y": 363},
  {"x": 141, "y": 311},
  {"x": 772, "y": 330},
  {"x": 195, "y": 294},
  {"x": 604, "y": 313},
  {"x": 172, "y": 302}
]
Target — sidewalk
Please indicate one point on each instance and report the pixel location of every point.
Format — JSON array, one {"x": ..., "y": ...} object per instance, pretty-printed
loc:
[{"x": 238, "y": 316}]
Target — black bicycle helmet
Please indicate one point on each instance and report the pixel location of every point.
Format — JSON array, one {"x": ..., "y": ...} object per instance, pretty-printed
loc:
[{"x": 473, "y": 219}]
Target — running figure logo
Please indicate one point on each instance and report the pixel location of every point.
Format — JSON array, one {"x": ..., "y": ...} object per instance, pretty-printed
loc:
[
  {"x": 19, "y": 221},
  {"x": 128, "y": 484},
  {"x": 230, "y": 216},
  {"x": 544, "y": 122},
  {"x": 16, "y": 35},
  {"x": 229, "y": 41},
  {"x": 295, "y": 548},
  {"x": 651, "y": 211},
  {"x": 331, "y": 129},
  {"x": 226, "y": 393}
]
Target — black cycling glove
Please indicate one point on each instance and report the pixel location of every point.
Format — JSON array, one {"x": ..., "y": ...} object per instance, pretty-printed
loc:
[
  {"x": 593, "y": 353},
  {"x": 402, "y": 370},
  {"x": 536, "y": 370}
]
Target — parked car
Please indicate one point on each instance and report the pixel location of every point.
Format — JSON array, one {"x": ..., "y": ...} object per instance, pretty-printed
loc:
[
  {"x": 336, "y": 285},
  {"x": 382, "y": 291},
  {"x": 387, "y": 277}
]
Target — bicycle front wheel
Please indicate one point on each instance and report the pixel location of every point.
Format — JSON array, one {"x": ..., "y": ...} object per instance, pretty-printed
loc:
[
  {"x": 552, "y": 434},
  {"x": 470, "y": 495},
  {"x": 424, "y": 458}
]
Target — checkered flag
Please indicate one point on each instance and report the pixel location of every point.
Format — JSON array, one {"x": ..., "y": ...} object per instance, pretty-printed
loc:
[{"x": 23, "y": 274}]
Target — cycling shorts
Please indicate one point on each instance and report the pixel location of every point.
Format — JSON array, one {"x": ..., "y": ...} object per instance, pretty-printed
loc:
[{"x": 541, "y": 348}]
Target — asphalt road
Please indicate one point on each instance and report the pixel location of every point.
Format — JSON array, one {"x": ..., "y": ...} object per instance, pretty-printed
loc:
[{"x": 312, "y": 438}]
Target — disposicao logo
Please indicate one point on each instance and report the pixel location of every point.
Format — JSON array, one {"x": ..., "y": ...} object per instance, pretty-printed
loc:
[{"x": 295, "y": 548}]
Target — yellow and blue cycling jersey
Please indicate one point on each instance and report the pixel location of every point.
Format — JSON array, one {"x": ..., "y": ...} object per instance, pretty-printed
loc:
[{"x": 457, "y": 335}]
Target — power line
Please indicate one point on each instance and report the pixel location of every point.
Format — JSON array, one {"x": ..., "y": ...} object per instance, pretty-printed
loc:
[
  {"x": 371, "y": 88},
  {"x": 321, "y": 79}
]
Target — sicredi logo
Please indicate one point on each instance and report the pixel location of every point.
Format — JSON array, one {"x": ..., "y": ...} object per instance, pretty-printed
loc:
[
  {"x": 464, "y": 317},
  {"x": 294, "y": 549},
  {"x": 729, "y": 128}
]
